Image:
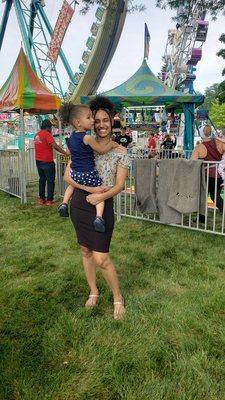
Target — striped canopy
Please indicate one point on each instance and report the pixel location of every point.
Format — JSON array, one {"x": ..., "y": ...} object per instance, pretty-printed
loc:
[
  {"x": 24, "y": 90},
  {"x": 144, "y": 88}
]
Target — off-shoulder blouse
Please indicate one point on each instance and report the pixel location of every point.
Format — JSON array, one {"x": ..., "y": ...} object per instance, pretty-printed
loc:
[{"x": 106, "y": 165}]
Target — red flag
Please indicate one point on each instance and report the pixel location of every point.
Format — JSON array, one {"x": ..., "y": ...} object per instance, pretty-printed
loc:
[{"x": 60, "y": 29}]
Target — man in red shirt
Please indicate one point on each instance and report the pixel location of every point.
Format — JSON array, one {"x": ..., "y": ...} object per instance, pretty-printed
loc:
[{"x": 44, "y": 144}]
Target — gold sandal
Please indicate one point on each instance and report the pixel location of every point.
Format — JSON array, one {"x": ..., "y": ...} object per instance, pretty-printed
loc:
[
  {"x": 92, "y": 300},
  {"x": 118, "y": 311}
]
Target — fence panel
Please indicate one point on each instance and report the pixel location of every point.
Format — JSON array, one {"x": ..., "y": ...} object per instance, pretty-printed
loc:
[
  {"x": 212, "y": 221},
  {"x": 30, "y": 165},
  {"x": 10, "y": 172}
]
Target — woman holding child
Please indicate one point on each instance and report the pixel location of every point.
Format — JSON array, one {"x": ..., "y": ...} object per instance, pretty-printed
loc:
[{"x": 111, "y": 166}]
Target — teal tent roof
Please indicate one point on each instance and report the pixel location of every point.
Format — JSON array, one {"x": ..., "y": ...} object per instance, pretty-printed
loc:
[{"x": 144, "y": 88}]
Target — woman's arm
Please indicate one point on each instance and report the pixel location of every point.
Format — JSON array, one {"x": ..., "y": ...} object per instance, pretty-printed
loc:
[
  {"x": 67, "y": 178},
  {"x": 117, "y": 188}
]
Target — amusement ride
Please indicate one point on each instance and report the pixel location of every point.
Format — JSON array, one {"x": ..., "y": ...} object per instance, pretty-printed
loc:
[
  {"x": 184, "y": 47},
  {"x": 37, "y": 34},
  {"x": 182, "y": 53}
]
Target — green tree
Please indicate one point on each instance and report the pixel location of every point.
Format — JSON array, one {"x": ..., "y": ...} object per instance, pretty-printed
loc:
[
  {"x": 133, "y": 5},
  {"x": 221, "y": 53},
  {"x": 217, "y": 115},
  {"x": 211, "y": 96},
  {"x": 214, "y": 7},
  {"x": 221, "y": 93}
]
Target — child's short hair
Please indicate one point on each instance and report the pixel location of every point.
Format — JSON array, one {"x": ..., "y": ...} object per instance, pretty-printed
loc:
[{"x": 69, "y": 111}]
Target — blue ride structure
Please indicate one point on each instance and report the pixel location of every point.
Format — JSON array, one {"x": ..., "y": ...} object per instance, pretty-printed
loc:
[{"x": 37, "y": 32}]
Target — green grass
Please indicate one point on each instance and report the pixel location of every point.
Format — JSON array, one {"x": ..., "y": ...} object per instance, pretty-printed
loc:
[{"x": 170, "y": 344}]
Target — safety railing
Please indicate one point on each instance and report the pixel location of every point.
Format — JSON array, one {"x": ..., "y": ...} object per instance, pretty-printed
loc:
[
  {"x": 30, "y": 165},
  {"x": 10, "y": 172},
  {"x": 137, "y": 153},
  {"x": 17, "y": 169},
  {"x": 212, "y": 220}
]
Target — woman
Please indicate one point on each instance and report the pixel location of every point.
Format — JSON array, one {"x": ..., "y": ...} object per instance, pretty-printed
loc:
[
  {"x": 211, "y": 150},
  {"x": 112, "y": 168}
]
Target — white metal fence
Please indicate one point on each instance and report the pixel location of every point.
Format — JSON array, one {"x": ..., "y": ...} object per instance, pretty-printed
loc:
[
  {"x": 212, "y": 221},
  {"x": 16, "y": 174},
  {"x": 10, "y": 172}
]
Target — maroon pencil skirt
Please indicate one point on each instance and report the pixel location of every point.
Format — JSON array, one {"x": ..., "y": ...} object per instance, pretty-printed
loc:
[{"x": 82, "y": 215}]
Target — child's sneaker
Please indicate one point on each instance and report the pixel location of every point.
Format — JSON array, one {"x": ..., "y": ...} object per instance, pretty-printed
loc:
[
  {"x": 99, "y": 224},
  {"x": 63, "y": 210}
]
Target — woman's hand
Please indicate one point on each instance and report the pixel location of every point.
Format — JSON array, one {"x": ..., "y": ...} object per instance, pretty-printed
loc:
[
  {"x": 100, "y": 189},
  {"x": 94, "y": 199}
]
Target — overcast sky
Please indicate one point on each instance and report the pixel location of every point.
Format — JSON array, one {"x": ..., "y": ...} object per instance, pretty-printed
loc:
[{"x": 129, "y": 54}]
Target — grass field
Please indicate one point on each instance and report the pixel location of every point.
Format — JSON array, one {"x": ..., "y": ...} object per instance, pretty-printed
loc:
[{"x": 170, "y": 344}]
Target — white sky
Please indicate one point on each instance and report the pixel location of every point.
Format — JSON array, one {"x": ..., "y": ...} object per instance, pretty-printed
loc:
[{"x": 129, "y": 54}]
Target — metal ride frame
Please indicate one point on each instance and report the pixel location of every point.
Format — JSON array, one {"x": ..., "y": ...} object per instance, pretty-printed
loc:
[
  {"x": 184, "y": 48},
  {"x": 36, "y": 34},
  {"x": 35, "y": 30}
]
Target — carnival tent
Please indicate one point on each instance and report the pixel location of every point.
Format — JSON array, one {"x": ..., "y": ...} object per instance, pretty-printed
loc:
[
  {"x": 24, "y": 90},
  {"x": 144, "y": 89}
]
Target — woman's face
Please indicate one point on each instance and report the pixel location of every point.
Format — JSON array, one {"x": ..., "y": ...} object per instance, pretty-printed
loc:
[{"x": 102, "y": 124}]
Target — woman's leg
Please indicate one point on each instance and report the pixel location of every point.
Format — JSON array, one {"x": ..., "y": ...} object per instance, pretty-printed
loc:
[
  {"x": 90, "y": 273},
  {"x": 109, "y": 273}
]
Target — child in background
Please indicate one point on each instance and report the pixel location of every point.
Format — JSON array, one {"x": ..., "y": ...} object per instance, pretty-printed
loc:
[{"x": 81, "y": 146}]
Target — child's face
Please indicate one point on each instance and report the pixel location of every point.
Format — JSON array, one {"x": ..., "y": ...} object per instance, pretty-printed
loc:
[{"x": 85, "y": 121}]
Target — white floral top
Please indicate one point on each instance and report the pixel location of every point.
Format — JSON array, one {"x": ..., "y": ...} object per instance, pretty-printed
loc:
[{"x": 106, "y": 165}]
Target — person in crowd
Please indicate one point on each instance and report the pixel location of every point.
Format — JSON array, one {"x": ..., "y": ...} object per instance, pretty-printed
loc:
[
  {"x": 116, "y": 129},
  {"x": 44, "y": 144},
  {"x": 211, "y": 149},
  {"x": 151, "y": 143},
  {"x": 123, "y": 138},
  {"x": 112, "y": 168},
  {"x": 168, "y": 143},
  {"x": 81, "y": 147}
]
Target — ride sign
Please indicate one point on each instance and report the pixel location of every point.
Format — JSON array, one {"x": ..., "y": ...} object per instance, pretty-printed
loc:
[{"x": 60, "y": 29}]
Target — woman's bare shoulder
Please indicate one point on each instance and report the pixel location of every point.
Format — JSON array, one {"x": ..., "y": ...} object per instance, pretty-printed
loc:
[{"x": 200, "y": 151}]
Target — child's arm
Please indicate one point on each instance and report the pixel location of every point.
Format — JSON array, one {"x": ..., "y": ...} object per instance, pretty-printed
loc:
[{"x": 96, "y": 146}]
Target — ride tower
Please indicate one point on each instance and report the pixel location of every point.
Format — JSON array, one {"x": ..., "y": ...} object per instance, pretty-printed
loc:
[{"x": 184, "y": 47}]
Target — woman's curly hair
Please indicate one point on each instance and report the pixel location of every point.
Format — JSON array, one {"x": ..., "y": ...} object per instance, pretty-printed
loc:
[{"x": 102, "y": 103}]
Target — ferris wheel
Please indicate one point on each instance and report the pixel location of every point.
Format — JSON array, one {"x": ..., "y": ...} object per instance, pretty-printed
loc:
[
  {"x": 43, "y": 44},
  {"x": 184, "y": 47}
]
